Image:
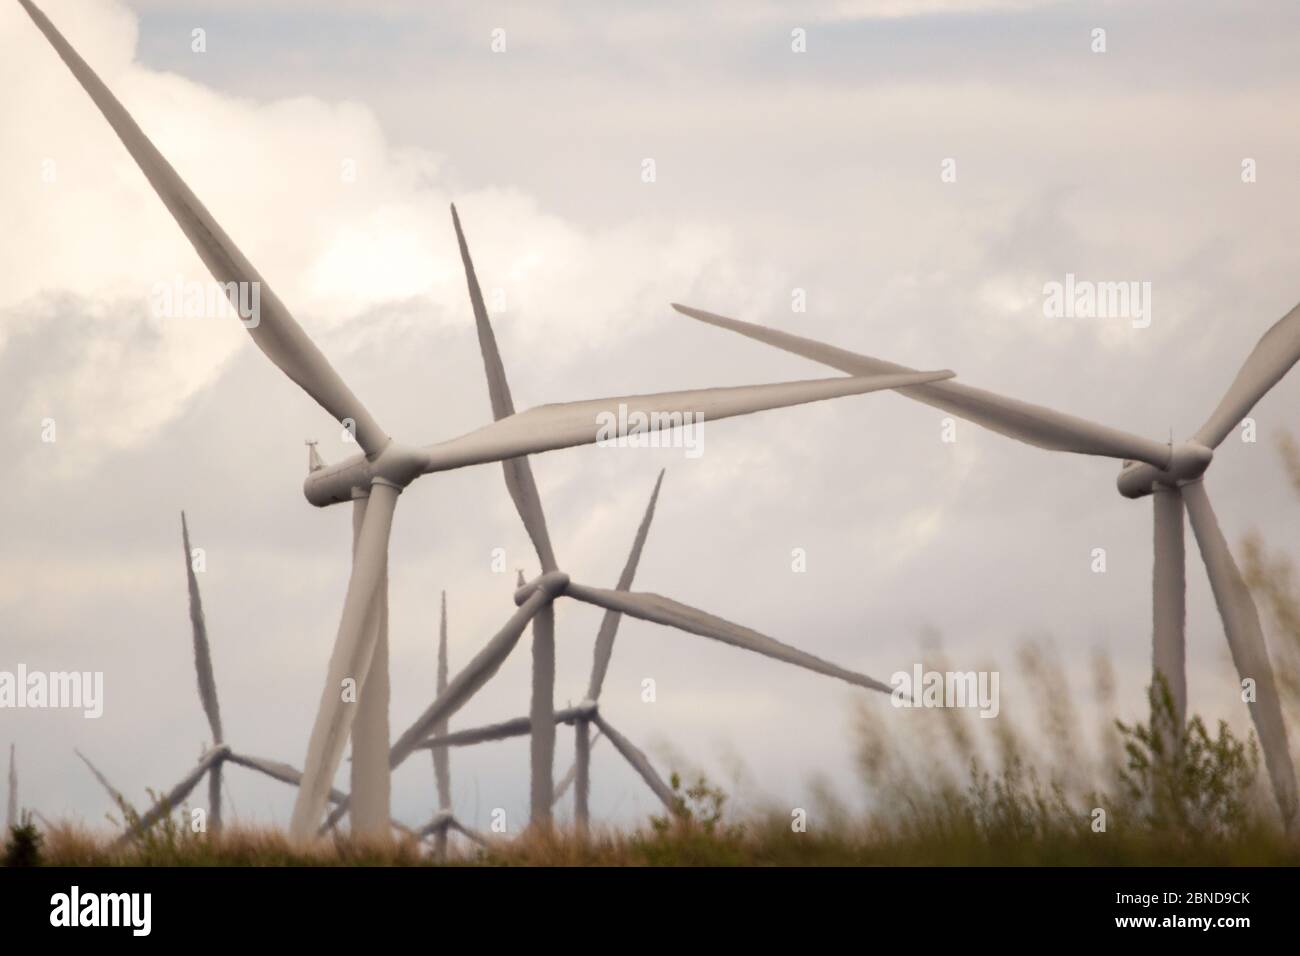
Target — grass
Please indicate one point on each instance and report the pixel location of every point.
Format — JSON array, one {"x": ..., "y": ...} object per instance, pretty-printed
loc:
[{"x": 1198, "y": 803}]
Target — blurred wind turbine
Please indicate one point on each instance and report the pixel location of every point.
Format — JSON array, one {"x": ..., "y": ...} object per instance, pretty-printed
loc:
[
  {"x": 444, "y": 820},
  {"x": 373, "y": 480},
  {"x": 211, "y": 762},
  {"x": 1172, "y": 474},
  {"x": 649, "y": 607}
]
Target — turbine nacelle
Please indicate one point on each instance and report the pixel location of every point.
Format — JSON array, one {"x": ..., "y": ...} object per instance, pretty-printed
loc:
[
  {"x": 396, "y": 465},
  {"x": 1187, "y": 462}
]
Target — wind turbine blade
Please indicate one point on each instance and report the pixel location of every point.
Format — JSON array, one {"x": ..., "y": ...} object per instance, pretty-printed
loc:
[
  {"x": 202, "y": 650},
  {"x": 467, "y": 832},
  {"x": 1169, "y": 599},
  {"x": 1246, "y": 643},
  {"x": 351, "y": 660},
  {"x": 273, "y": 329},
  {"x": 609, "y": 623},
  {"x": 176, "y": 796},
  {"x": 542, "y": 712},
  {"x": 371, "y": 779},
  {"x": 1032, "y": 424},
  {"x": 571, "y": 774},
  {"x": 595, "y": 421},
  {"x": 442, "y": 757},
  {"x": 468, "y": 682},
  {"x": 639, "y": 761},
  {"x": 11, "y": 810},
  {"x": 119, "y": 799},
  {"x": 503, "y": 730},
  {"x": 662, "y": 610},
  {"x": 283, "y": 772},
  {"x": 1272, "y": 357},
  {"x": 519, "y": 473}
]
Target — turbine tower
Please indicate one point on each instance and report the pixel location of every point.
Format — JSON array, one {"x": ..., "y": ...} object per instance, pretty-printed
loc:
[
  {"x": 11, "y": 808},
  {"x": 1172, "y": 474},
  {"x": 373, "y": 480}
]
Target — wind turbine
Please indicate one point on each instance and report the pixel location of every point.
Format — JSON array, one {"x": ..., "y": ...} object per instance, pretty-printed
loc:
[
  {"x": 553, "y": 583},
  {"x": 374, "y": 479},
  {"x": 1173, "y": 474},
  {"x": 213, "y": 759},
  {"x": 444, "y": 820},
  {"x": 650, "y": 607}
]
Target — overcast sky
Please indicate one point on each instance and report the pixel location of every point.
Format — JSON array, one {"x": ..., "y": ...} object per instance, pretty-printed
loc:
[{"x": 775, "y": 171}]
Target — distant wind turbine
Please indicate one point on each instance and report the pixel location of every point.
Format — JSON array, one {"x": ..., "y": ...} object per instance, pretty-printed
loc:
[
  {"x": 212, "y": 761},
  {"x": 553, "y": 583},
  {"x": 374, "y": 479},
  {"x": 1171, "y": 473},
  {"x": 649, "y": 607}
]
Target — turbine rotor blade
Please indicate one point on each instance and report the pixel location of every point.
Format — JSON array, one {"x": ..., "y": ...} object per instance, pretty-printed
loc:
[
  {"x": 469, "y": 681},
  {"x": 202, "y": 650},
  {"x": 1272, "y": 358},
  {"x": 519, "y": 473},
  {"x": 662, "y": 610},
  {"x": 503, "y": 730},
  {"x": 353, "y": 654},
  {"x": 1246, "y": 643},
  {"x": 118, "y": 797},
  {"x": 640, "y": 763},
  {"x": 568, "y": 424},
  {"x": 609, "y": 623},
  {"x": 467, "y": 832},
  {"x": 176, "y": 796},
  {"x": 283, "y": 772},
  {"x": 274, "y": 330},
  {"x": 1032, "y": 424}
]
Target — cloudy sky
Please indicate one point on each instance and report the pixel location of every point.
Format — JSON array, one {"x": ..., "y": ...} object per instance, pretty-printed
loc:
[{"x": 775, "y": 171}]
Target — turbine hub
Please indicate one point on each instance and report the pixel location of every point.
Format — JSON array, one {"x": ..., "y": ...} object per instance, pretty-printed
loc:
[
  {"x": 553, "y": 583},
  {"x": 1187, "y": 462}
]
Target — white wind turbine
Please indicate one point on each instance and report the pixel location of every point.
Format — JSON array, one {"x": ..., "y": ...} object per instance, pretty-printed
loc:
[
  {"x": 1171, "y": 474},
  {"x": 211, "y": 762},
  {"x": 553, "y": 582},
  {"x": 650, "y": 607},
  {"x": 373, "y": 480}
]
